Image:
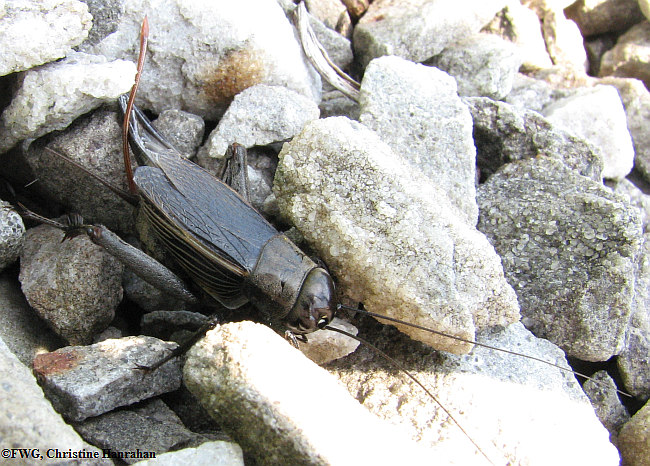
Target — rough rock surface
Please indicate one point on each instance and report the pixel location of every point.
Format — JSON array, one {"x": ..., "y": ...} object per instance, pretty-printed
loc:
[
  {"x": 12, "y": 232},
  {"x": 150, "y": 426},
  {"x": 597, "y": 115},
  {"x": 564, "y": 41},
  {"x": 205, "y": 54},
  {"x": 27, "y": 419},
  {"x": 245, "y": 376},
  {"x": 95, "y": 142},
  {"x": 33, "y": 33},
  {"x": 426, "y": 123},
  {"x": 216, "y": 453},
  {"x": 636, "y": 100},
  {"x": 85, "y": 381},
  {"x": 521, "y": 26},
  {"x": 419, "y": 29},
  {"x": 258, "y": 116},
  {"x": 182, "y": 129},
  {"x": 519, "y": 405},
  {"x": 75, "y": 285},
  {"x": 51, "y": 97},
  {"x": 483, "y": 65},
  {"x": 504, "y": 133},
  {"x": 569, "y": 248},
  {"x": 601, "y": 391},
  {"x": 601, "y": 16},
  {"x": 630, "y": 57},
  {"x": 22, "y": 330},
  {"x": 634, "y": 438},
  {"x": 634, "y": 361},
  {"x": 390, "y": 237},
  {"x": 326, "y": 345}
]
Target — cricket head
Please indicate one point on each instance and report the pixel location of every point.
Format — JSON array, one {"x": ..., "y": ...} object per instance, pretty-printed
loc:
[{"x": 316, "y": 303}]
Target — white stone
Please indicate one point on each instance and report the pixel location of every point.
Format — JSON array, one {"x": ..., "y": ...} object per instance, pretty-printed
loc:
[
  {"x": 401, "y": 248},
  {"x": 261, "y": 115},
  {"x": 597, "y": 115},
  {"x": 259, "y": 387},
  {"x": 51, "y": 97},
  {"x": 36, "y": 32},
  {"x": 419, "y": 29},
  {"x": 518, "y": 411},
  {"x": 202, "y": 54},
  {"x": 426, "y": 123}
]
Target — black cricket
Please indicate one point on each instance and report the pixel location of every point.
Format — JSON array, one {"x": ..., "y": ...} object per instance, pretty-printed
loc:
[{"x": 221, "y": 242}]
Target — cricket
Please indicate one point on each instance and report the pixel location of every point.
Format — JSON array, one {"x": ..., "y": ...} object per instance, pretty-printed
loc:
[{"x": 235, "y": 257}]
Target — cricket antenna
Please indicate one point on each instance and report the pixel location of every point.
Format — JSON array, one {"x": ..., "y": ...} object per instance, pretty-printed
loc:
[
  {"x": 465, "y": 340},
  {"x": 399, "y": 366}
]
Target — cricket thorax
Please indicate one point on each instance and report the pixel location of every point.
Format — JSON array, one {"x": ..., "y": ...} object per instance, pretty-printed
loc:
[{"x": 277, "y": 278}]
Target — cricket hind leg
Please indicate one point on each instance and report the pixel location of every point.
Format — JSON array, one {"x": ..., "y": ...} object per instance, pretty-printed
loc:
[
  {"x": 234, "y": 170},
  {"x": 181, "y": 349},
  {"x": 140, "y": 263}
]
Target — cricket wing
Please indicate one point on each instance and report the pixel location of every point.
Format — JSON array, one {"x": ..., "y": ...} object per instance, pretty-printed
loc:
[{"x": 212, "y": 262}]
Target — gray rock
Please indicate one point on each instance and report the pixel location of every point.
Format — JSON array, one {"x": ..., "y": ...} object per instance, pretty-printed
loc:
[
  {"x": 261, "y": 168},
  {"x": 602, "y": 16},
  {"x": 335, "y": 103},
  {"x": 569, "y": 248},
  {"x": 85, "y": 381},
  {"x": 419, "y": 29},
  {"x": 147, "y": 296},
  {"x": 327, "y": 11},
  {"x": 95, "y": 142},
  {"x": 108, "y": 334},
  {"x": 629, "y": 57},
  {"x": 193, "y": 415},
  {"x": 338, "y": 48},
  {"x": 217, "y": 453},
  {"x": 106, "y": 15},
  {"x": 564, "y": 42},
  {"x": 637, "y": 198},
  {"x": 160, "y": 324},
  {"x": 262, "y": 391},
  {"x": 483, "y": 65},
  {"x": 326, "y": 345},
  {"x": 33, "y": 33},
  {"x": 597, "y": 115},
  {"x": 415, "y": 109},
  {"x": 27, "y": 419},
  {"x": 184, "y": 130},
  {"x": 147, "y": 427},
  {"x": 52, "y": 96},
  {"x": 205, "y": 54},
  {"x": 259, "y": 116},
  {"x": 634, "y": 438},
  {"x": 601, "y": 391},
  {"x": 519, "y": 405},
  {"x": 521, "y": 26},
  {"x": 636, "y": 100},
  {"x": 504, "y": 133},
  {"x": 390, "y": 236},
  {"x": 529, "y": 93},
  {"x": 12, "y": 233},
  {"x": 634, "y": 361},
  {"x": 73, "y": 285},
  {"x": 21, "y": 329}
]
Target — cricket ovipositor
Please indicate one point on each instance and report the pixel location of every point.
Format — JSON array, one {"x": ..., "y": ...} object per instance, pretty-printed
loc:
[{"x": 216, "y": 262}]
